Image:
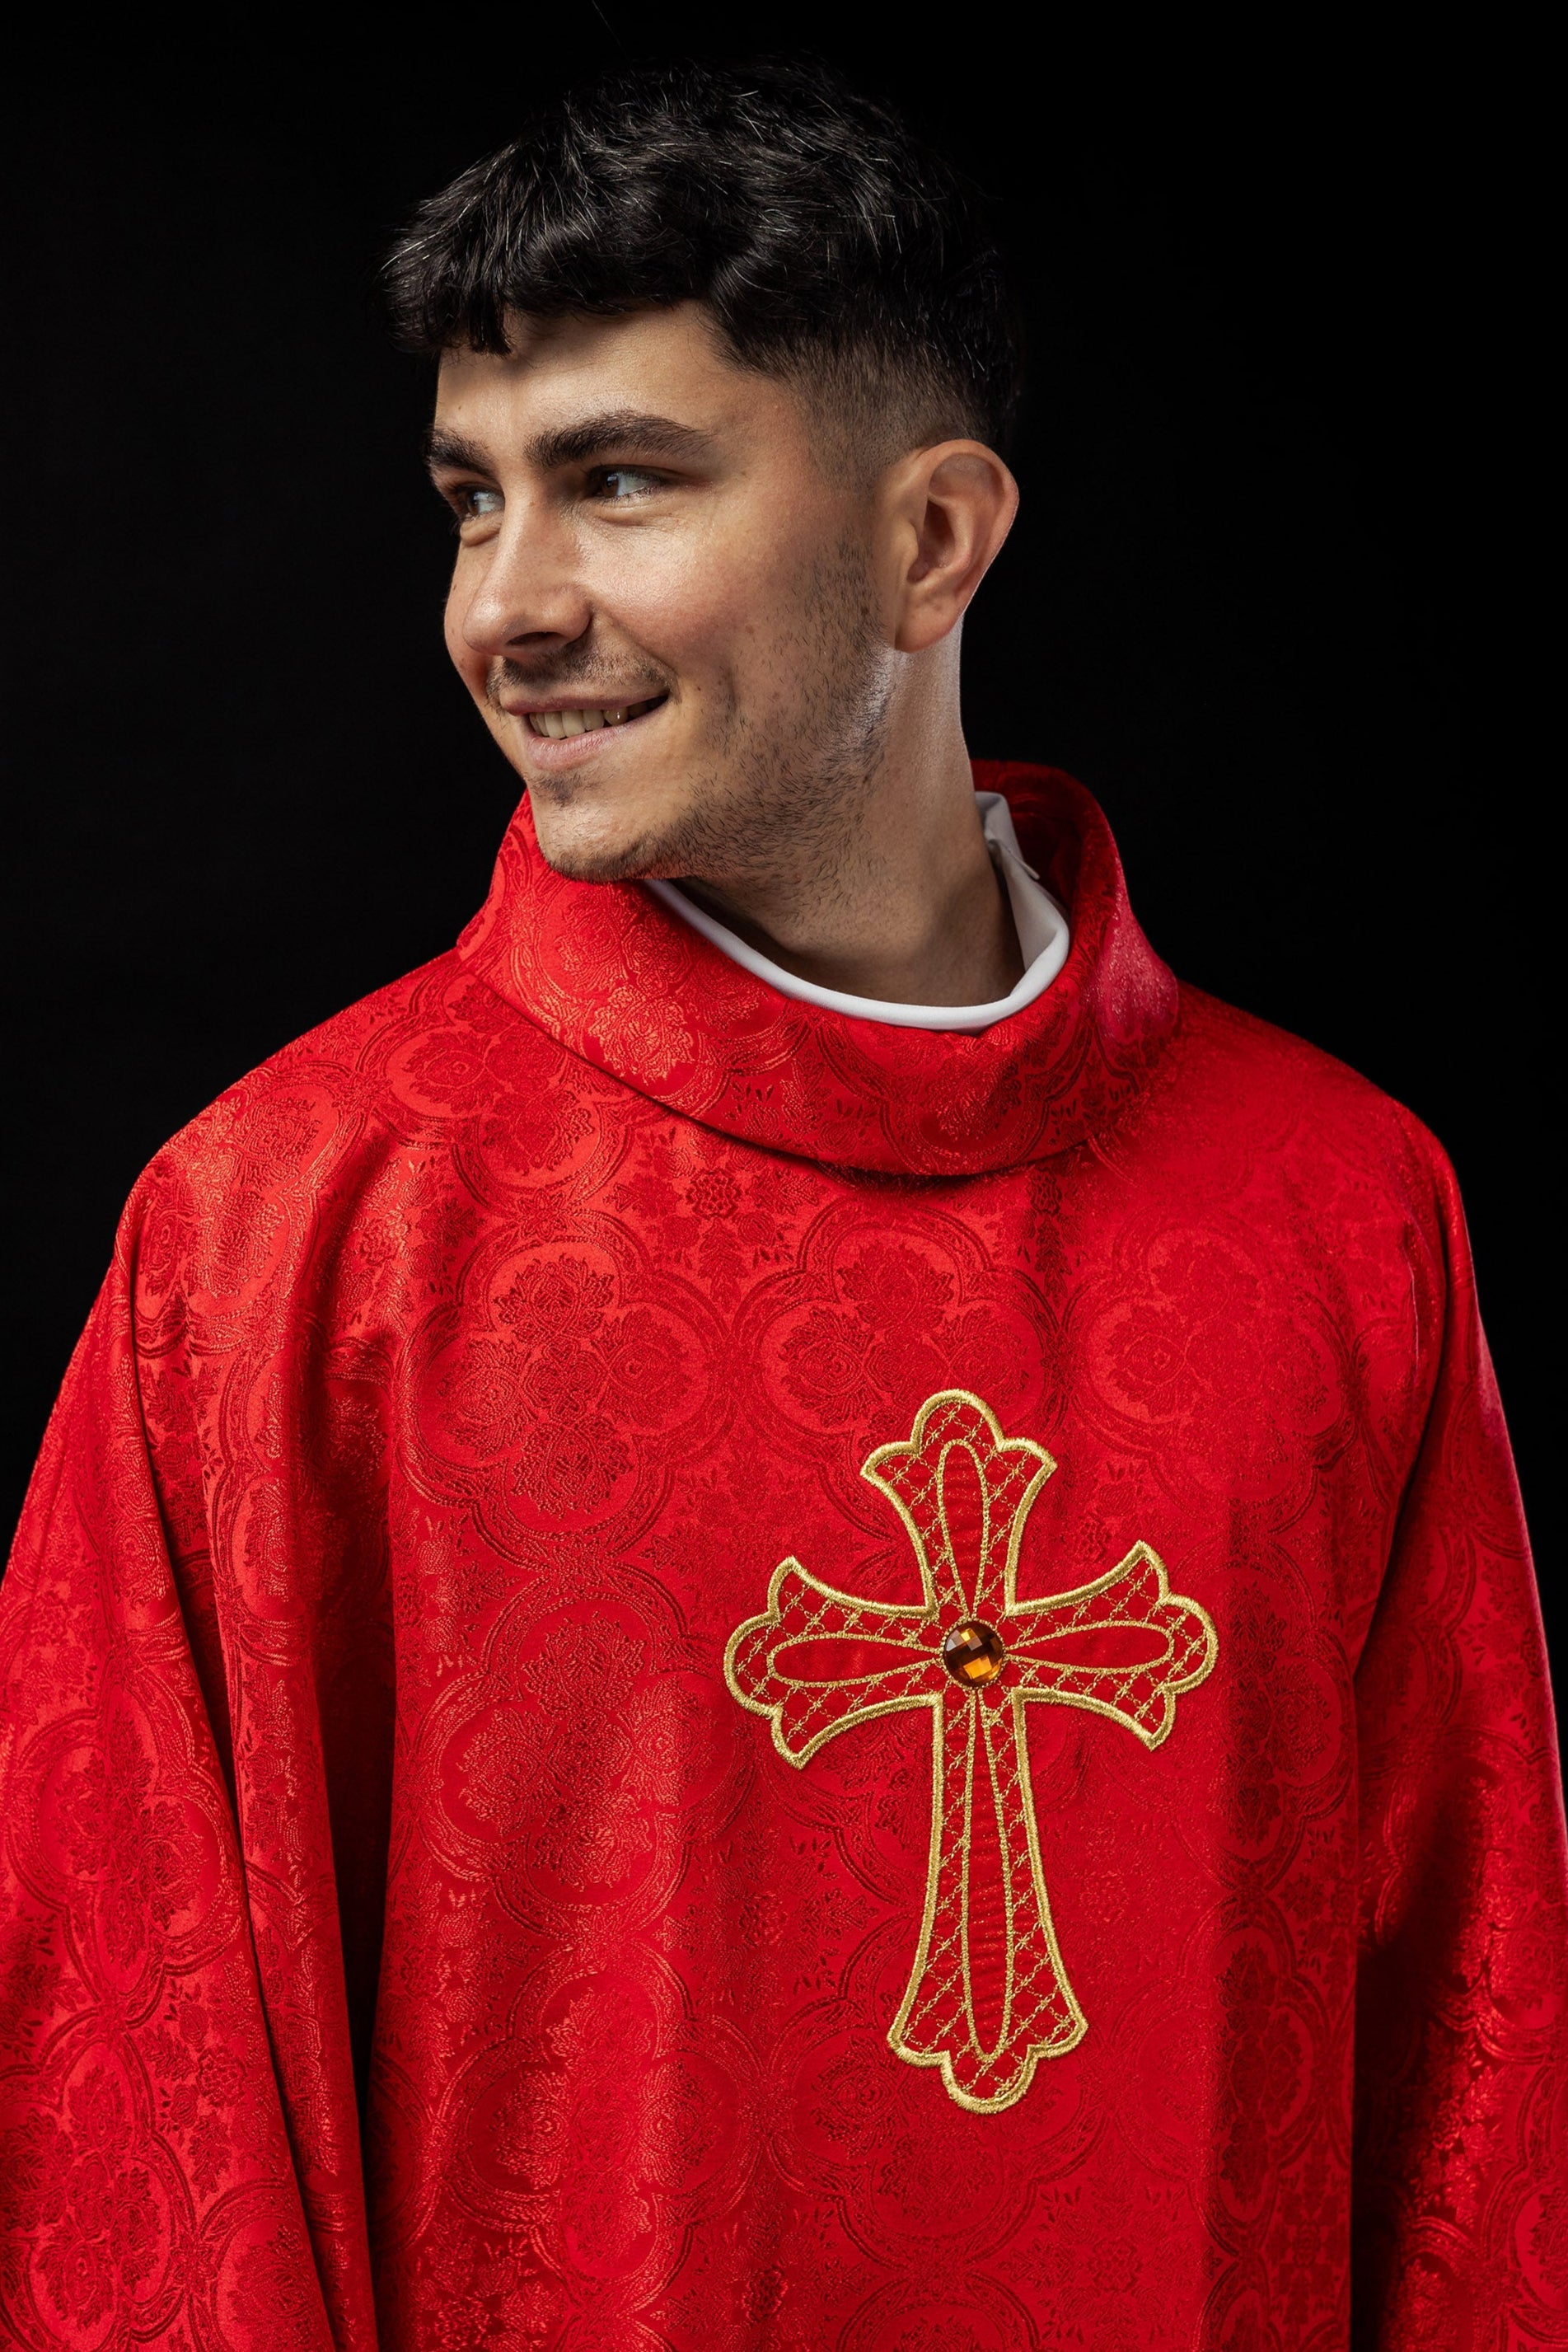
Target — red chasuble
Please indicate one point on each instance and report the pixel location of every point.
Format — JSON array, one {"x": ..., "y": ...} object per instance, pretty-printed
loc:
[{"x": 685, "y": 1674}]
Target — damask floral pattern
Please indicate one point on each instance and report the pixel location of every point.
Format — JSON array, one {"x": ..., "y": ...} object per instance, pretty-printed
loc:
[{"x": 406, "y": 1940}]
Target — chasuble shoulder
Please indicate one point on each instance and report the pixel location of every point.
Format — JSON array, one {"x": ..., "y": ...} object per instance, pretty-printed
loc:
[{"x": 683, "y": 1673}]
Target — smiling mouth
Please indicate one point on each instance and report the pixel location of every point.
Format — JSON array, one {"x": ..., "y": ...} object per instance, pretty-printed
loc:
[{"x": 557, "y": 723}]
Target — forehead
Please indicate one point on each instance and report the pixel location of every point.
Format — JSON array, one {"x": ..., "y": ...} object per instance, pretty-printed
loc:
[{"x": 560, "y": 370}]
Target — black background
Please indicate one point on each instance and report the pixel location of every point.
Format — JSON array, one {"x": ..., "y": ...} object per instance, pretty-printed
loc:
[{"x": 1270, "y": 594}]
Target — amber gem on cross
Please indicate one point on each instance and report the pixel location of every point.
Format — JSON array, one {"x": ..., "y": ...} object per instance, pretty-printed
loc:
[{"x": 973, "y": 1653}]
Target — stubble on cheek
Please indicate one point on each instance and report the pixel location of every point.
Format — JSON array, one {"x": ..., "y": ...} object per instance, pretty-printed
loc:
[{"x": 790, "y": 750}]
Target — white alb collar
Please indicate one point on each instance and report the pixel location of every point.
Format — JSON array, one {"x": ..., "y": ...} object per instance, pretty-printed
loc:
[{"x": 1040, "y": 922}]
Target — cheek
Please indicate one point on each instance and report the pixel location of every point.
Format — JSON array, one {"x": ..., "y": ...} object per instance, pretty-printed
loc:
[{"x": 707, "y": 606}]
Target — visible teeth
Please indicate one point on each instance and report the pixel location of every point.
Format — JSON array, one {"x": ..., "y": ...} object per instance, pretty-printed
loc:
[{"x": 557, "y": 723}]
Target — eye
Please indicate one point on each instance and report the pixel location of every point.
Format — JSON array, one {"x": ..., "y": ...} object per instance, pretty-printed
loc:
[
  {"x": 616, "y": 484},
  {"x": 471, "y": 502}
]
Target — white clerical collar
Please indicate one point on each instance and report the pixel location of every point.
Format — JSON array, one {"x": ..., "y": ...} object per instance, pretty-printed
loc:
[{"x": 1040, "y": 922}]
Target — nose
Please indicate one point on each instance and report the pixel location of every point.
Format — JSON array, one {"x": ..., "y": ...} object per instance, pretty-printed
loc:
[{"x": 524, "y": 593}]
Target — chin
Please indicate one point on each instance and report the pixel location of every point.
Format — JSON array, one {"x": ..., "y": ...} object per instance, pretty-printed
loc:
[{"x": 584, "y": 853}]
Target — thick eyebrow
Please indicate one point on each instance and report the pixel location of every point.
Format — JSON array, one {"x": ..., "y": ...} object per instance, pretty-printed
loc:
[
  {"x": 618, "y": 429},
  {"x": 444, "y": 448}
]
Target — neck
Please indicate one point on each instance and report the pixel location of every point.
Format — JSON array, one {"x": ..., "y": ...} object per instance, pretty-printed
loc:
[{"x": 909, "y": 908}]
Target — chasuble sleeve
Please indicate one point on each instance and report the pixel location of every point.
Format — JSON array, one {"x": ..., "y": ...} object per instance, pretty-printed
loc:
[
  {"x": 178, "y": 2160},
  {"x": 1461, "y": 2067}
]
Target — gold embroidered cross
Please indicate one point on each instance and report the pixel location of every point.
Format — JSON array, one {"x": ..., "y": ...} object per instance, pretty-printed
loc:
[{"x": 987, "y": 1995}]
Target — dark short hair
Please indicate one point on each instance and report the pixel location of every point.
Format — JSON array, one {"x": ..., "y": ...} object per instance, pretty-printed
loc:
[{"x": 830, "y": 245}]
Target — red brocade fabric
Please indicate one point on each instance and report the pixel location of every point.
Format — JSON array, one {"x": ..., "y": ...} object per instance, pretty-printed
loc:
[{"x": 686, "y": 1674}]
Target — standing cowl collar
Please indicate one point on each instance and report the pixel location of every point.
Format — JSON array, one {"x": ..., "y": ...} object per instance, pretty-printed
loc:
[{"x": 614, "y": 977}]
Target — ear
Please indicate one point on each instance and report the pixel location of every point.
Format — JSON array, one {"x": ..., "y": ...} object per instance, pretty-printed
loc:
[{"x": 946, "y": 512}]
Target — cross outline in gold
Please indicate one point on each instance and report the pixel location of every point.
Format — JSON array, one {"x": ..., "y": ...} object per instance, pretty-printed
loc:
[{"x": 803, "y": 1610}]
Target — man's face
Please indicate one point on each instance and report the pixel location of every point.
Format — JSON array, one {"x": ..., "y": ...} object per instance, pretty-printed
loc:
[{"x": 653, "y": 549}]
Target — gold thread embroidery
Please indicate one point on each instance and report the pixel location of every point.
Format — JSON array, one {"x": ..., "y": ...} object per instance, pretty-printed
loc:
[{"x": 977, "y": 1727}]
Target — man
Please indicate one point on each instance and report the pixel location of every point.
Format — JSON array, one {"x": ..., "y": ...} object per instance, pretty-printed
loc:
[{"x": 786, "y": 1610}]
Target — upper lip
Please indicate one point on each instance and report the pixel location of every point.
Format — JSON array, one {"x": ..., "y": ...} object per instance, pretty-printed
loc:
[{"x": 517, "y": 709}]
